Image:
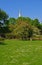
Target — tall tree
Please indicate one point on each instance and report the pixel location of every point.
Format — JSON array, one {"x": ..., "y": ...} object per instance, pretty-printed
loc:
[
  {"x": 12, "y": 21},
  {"x": 3, "y": 16},
  {"x": 36, "y": 23}
]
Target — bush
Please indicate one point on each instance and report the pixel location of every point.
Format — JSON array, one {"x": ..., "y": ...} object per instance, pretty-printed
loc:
[
  {"x": 10, "y": 36},
  {"x": 37, "y": 37}
]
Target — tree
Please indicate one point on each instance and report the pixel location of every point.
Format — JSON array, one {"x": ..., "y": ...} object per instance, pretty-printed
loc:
[
  {"x": 12, "y": 21},
  {"x": 40, "y": 29},
  {"x": 25, "y": 19},
  {"x": 30, "y": 33},
  {"x": 3, "y": 19},
  {"x": 36, "y": 23},
  {"x": 3, "y": 16},
  {"x": 7, "y": 23},
  {"x": 23, "y": 29}
]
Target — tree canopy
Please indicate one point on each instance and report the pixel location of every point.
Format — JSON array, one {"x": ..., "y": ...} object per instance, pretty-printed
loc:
[{"x": 23, "y": 28}]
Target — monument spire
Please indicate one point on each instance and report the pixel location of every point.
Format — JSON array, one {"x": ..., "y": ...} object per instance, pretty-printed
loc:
[{"x": 19, "y": 14}]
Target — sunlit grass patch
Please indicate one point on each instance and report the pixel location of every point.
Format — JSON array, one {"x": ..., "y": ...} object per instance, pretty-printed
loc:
[{"x": 17, "y": 52}]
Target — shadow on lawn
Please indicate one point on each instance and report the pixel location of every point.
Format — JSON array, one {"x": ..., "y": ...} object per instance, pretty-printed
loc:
[{"x": 2, "y": 43}]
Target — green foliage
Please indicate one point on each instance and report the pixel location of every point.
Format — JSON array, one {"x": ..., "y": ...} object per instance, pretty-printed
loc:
[
  {"x": 3, "y": 15},
  {"x": 21, "y": 28},
  {"x": 30, "y": 32},
  {"x": 12, "y": 21},
  {"x": 36, "y": 23},
  {"x": 7, "y": 23},
  {"x": 10, "y": 36},
  {"x": 40, "y": 28}
]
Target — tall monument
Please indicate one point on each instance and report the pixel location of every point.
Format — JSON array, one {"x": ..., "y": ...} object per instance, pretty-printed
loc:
[{"x": 19, "y": 14}]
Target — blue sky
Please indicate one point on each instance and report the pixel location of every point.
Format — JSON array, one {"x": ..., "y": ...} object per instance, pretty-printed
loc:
[{"x": 28, "y": 8}]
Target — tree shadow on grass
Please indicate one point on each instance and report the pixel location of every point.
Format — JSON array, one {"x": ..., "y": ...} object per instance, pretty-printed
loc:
[{"x": 2, "y": 43}]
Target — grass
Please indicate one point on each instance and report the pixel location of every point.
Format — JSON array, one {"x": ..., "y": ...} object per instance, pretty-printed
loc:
[{"x": 15, "y": 52}]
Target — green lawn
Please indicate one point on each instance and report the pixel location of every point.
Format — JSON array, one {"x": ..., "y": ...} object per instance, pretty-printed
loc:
[{"x": 13, "y": 52}]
